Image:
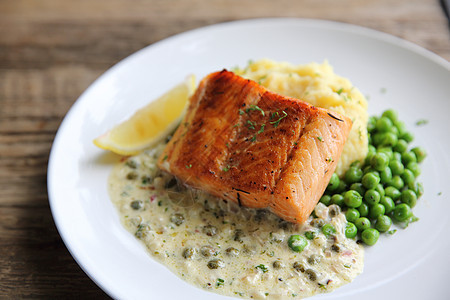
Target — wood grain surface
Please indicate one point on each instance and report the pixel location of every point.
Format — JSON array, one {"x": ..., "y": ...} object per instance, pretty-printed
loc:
[{"x": 52, "y": 50}]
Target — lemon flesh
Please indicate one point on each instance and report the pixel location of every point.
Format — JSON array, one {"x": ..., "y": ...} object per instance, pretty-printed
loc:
[{"x": 149, "y": 124}]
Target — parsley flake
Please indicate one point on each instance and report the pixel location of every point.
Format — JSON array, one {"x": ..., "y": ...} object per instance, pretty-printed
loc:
[
  {"x": 277, "y": 122},
  {"x": 262, "y": 267},
  {"x": 255, "y": 107},
  {"x": 188, "y": 166},
  {"x": 421, "y": 122},
  {"x": 320, "y": 138},
  {"x": 261, "y": 130},
  {"x": 219, "y": 282},
  {"x": 251, "y": 125}
]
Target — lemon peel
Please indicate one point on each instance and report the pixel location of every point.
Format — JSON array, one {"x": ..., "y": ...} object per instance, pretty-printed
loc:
[{"x": 150, "y": 124}]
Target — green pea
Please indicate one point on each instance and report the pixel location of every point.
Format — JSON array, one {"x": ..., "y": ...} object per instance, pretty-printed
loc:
[
  {"x": 397, "y": 156},
  {"x": 379, "y": 161},
  {"x": 371, "y": 124},
  {"x": 408, "y": 157},
  {"x": 297, "y": 242},
  {"x": 409, "y": 197},
  {"x": 337, "y": 199},
  {"x": 376, "y": 210},
  {"x": 386, "y": 175},
  {"x": 402, "y": 212},
  {"x": 388, "y": 139},
  {"x": 400, "y": 126},
  {"x": 370, "y": 180},
  {"x": 352, "y": 199},
  {"x": 390, "y": 114},
  {"x": 333, "y": 183},
  {"x": 420, "y": 153},
  {"x": 350, "y": 230},
  {"x": 401, "y": 146},
  {"x": 372, "y": 197},
  {"x": 397, "y": 182},
  {"x": 357, "y": 186},
  {"x": 414, "y": 167},
  {"x": 328, "y": 229},
  {"x": 363, "y": 210},
  {"x": 370, "y": 236},
  {"x": 310, "y": 235},
  {"x": 383, "y": 124},
  {"x": 376, "y": 139},
  {"x": 362, "y": 223},
  {"x": 396, "y": 167},
  {"x": 419, "y": 189},
  {"x": 394, "y": 130},
  {"x": 407, "y": 136},
  {"x": 372, "y": 149},
  {"x": 392, "y": 193},
  {"x": 352, "y": 214},
  {"x": 342, "y": 187},
  {"x": 380, "y": 189},
  {"x": 386, "y": 150},
  {"x": 353, "y": 174},
  {"x": 408, "y": 178},
  {"x": 388, "y": 204},
  {"x": 325, "y": 199},
  {"x": 383, "y": 223}
]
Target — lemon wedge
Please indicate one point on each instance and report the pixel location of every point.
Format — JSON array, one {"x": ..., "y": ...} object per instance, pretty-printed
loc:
[{"x": 149, "y": 124}]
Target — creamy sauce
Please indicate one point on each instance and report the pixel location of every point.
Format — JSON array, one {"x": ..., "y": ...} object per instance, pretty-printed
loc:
[{"x": 227, "y": 249}]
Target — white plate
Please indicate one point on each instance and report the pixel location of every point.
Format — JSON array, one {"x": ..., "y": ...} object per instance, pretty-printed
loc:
[{"x": 412, "y": 264}]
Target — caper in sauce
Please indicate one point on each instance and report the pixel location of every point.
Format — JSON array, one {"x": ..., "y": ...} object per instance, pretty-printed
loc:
[
  {"x": 215, "y": 264},
  {"x": 210, "y": 230},
  {"x": 188, "y": 253},
  {"x": 177, "y": 219},
  {"x": 232, "y": 251}
]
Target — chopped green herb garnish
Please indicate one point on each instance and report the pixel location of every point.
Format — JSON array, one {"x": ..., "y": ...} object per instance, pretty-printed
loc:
[
  {"x": 261, "y": 130},
  {"x": 219, "y": 282},
  {"x": 241, "y": 112},
  {"x": 165, "y": 157},
  {"x": 226, "y": 169},
  {"x": 267, "y": 294},
  {"x": 329, "y": 159},
  {"x": 277, "y": 122},
  {"x": 340, "y": 91},
  {"x": 421, "y": 122},
  {"x": 227, "y": 144},
  {"x": 320, "y": 138},
  {"x": 188, "y": 166},
  {"x": 255, "y": 107},
  {"x": 236, "y": 125},
  {"x": 159, "y": 203},
  {"x": 253, "y": 138},
  {"x": 262, "y": 267},
  {"x": 251, "y": 125},
  {"x": 347, "y": 266}
]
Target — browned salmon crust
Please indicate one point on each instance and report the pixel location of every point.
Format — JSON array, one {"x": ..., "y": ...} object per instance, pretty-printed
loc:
[{"x": 241, "y": 142}]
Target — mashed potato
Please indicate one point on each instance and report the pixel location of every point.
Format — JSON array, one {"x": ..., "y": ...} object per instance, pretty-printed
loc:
[{"x": 318, "y": 85}]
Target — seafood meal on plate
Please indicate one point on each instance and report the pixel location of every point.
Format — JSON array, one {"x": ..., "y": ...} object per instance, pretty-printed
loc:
[{"x": 263, "y": 182}]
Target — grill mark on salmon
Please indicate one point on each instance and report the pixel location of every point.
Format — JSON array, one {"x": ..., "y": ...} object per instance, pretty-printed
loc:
[{"x": 241, "y": 142}]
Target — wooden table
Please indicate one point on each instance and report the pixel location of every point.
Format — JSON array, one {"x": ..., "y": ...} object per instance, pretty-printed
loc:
[{"x": 52, "y": 50}]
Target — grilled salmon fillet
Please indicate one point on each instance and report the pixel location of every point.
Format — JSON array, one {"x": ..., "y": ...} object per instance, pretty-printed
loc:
[{"x": 243, "y": 143}]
